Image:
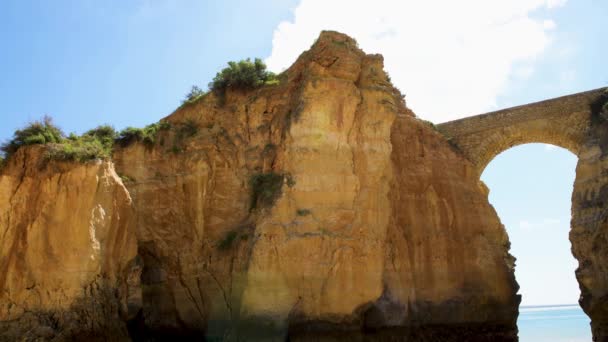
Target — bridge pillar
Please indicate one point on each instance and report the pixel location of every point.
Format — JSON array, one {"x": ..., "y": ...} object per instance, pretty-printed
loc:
[
  {"x": 578, "y": 123},
  {"x": 589, "y": 233}
]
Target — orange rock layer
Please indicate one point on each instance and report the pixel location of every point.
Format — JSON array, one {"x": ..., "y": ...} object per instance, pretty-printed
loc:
[{"x": 380, "y": 228}]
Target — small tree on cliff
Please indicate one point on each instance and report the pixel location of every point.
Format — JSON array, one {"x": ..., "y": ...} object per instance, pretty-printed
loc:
[
  {"x": 244, "y": 74},
  {"x": 96, "y": 143},
  {"x": 194, "y": 94},
  {"x": 38, "y": 132}
]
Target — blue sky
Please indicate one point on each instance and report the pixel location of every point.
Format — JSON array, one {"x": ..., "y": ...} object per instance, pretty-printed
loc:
[
  {"x": 129, "y": 63},
  {"x": 121, "y": 62},
  {"x": 530, "y": 188}
]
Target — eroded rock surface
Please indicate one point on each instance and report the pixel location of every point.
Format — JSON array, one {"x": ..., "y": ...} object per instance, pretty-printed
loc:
[
  {"x": 577, "y": 122},
  {"x": 380, "y": 230},
  {"x": 67, "y": 245},
  {"x": 447, "y": 260},
  {"x": 379, "y": 225},
  {"x": 589, "y": 234}
]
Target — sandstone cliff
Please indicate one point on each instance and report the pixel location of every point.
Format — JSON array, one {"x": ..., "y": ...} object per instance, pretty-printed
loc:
[
  {"x": 380, "y": 224},
  {"x": 66, "y": 250},
  {"x": 589, "y": 233},
  {"x": 320, "y": 207}
]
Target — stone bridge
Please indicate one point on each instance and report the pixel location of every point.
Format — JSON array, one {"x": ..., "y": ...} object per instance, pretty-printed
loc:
[
  {"x": 562, "y": 121},
  {"x": 575, "y": 122}
]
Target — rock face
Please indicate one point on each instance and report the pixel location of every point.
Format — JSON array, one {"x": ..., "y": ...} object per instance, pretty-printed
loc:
[
  {"x": 67, "y": 246},
  {"x": 447, "y": 260},
  {"x": 577, "y": 122},
  {"x": 589, "y": 234},
  {"x": 319, "y": 208},
  {"x": 379, "y": 225}
]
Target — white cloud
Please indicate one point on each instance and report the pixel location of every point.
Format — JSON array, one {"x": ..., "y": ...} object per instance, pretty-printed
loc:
[
  {"x": 549, "y": 147},
  {"x": 555, "y": 3},
  {"x": 523, "y": 72},
  {"x": 548, "y": 24},
  {"x": 451, "y": 58}
]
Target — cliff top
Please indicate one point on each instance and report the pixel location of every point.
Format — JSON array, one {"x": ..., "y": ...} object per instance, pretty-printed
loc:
[{"x": 333, "y": 55}]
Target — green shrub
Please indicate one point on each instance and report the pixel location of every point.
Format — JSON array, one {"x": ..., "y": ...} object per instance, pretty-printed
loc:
[
  {"x": 188, "y": 128},
  {"x": 105, "y": 135},
  {"x": 37, "y": 132},
  {"x": 147, "y": 135},
  {"x": 265, "y": 189},
  {"x": 164, "y": 125},
  {"x": 303, "y": 212},
  {"x": 96, "y": 143},
  {"x": 244, "y": 74},
  {"x": 81, "y": 150},
  {"x": 228, "y": 240},
  {"x": 430, "y": 124},
  {"x": 599, "y": 108},
  {"x": 130, "y": 135},
  {"x": 194, "y": 94},
  {"x": 235, "y": 235},
  {"x": 93, "y": 144}
]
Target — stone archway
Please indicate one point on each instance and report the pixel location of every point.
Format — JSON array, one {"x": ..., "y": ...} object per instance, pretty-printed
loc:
[
  {"x": 563, "y": 121},
  {"x": 571, "y": 122}
]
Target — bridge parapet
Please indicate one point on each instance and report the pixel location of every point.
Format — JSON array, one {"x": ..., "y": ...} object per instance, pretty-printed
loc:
[{"x": 562, "y": 121}]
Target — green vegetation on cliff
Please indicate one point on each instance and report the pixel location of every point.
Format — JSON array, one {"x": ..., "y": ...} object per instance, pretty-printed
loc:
[
  {"x": 265, "y": 189},
  {"x": 194, "y": 95},
  {"x": 430, "y": 124},
  {"x": 599, "y": 108},
  {"x": 147, "y": 135},
  {"x": 243, "y": 74},
  {"x": 234, "y": 236},
  {"x": 303, "y": 212},
  {"x": 94, "y": 144},
  {"x": 99, "y": 142},
  {"x": 228, "y": 240},
  {"x": 37, "y": 132}
]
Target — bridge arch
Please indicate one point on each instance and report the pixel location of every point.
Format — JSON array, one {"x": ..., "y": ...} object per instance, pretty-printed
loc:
[
  {"x": 567, "y": 122},
  {"x": 562, "y": 121}
]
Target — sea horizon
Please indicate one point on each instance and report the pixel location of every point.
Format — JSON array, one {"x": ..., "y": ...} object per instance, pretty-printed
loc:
[
  {"x": 546, "y": 305},
  {"x": 555, "y": 323}
]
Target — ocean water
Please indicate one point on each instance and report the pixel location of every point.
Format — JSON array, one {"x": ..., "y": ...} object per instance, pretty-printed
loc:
[{"x": 560, "y": 323}]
